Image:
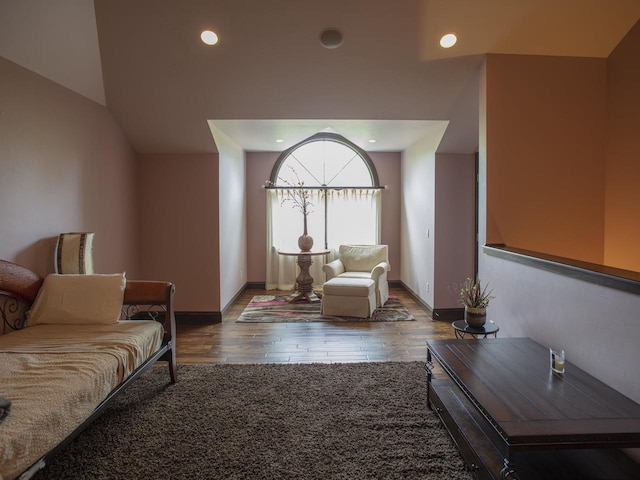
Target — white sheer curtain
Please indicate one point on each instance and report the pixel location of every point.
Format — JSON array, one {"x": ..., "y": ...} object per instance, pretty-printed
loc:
[{"x": 353, "y": 217}]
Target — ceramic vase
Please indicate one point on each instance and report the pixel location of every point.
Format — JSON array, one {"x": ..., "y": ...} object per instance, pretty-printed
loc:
[
  {"x": 475, "y": 317},
  {"x": 305, "y": 241}
]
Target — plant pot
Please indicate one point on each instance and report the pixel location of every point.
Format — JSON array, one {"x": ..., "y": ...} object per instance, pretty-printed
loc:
[{"x": 475, "y": 317}]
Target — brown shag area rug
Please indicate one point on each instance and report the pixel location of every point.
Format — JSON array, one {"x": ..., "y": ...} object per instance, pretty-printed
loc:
[{"x": 269, "y": 421}]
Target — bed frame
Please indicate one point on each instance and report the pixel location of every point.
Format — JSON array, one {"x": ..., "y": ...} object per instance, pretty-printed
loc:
[{"x": 143, "y": 300}]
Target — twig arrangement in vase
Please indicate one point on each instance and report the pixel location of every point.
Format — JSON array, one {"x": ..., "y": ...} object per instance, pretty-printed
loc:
[
  {"x": 300, "y": 199},
  {"x": 475, "y": 299}
]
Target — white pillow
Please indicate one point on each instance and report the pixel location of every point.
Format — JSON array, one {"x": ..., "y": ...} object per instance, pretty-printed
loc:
[{"x": 79, "y": 299}]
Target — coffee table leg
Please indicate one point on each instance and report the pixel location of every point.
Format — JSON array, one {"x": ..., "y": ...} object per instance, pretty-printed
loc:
[
  {"x": 508, "y": 471},
  {"x": 428, "y": 366}
]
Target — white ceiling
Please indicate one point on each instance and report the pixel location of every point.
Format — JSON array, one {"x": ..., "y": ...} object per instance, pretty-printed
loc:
[{"x": 270, "y": 77}]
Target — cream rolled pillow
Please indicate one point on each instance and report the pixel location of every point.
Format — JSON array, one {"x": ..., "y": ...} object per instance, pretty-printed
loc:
[{"x": 79, "y": 299}]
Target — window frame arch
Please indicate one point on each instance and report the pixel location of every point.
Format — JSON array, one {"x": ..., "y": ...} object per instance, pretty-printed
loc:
[{"x": 332, "y": 137}]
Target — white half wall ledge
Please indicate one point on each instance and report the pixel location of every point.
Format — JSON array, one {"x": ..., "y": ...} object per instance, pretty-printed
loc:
[{"x": 619, "y": 279}]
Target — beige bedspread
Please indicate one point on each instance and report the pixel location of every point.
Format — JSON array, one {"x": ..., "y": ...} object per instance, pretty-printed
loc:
[{"x": 55, "y": 375}]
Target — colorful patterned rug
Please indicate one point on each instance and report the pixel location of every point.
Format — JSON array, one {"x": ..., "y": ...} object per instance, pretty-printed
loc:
[{"x": 275, "y": 308}]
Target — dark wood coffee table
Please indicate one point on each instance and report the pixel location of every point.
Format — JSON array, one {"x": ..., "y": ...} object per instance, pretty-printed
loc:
[{"x": 512, "y": 418}]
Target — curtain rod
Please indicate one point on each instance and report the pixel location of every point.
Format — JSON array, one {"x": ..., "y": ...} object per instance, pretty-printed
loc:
[{"x": 272, "y": 187}]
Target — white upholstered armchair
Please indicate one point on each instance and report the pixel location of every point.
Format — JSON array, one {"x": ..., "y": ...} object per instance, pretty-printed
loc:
[{"x": 363, "y": 261}]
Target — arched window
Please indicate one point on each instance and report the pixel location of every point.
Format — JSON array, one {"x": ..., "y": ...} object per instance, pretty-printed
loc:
[
  {"x": 342, "y": 185},
  {"x": 326, "y": 160}
]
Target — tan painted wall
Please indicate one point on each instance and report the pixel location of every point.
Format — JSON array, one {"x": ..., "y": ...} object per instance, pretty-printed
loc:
[
  {"x": 622, "y": 201},
  {"x": 178, "y": 204},
  {"x": 546, "y": 119},
  {"x": 259, "y": 165},
  {"x": 594, "y": 324},
  {"x": 66, "y": 166}
]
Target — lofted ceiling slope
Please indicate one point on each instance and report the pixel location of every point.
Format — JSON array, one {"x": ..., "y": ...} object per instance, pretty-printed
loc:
[{"x": 164, "y": 86}]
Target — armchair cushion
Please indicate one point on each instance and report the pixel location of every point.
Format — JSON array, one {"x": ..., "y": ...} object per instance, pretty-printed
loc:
[{"x": 362, "y": 258}]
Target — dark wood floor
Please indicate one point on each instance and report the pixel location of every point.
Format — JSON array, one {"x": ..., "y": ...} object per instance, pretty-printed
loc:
[{"x": 231, "y": 342}]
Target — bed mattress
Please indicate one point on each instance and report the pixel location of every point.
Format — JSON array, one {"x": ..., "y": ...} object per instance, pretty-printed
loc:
[{"x": 55, "y": 376}]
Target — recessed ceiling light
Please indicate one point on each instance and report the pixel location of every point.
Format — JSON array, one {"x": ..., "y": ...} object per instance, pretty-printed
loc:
[
  {"x": 448, "y": 40},
  {"x": 279, "y": 140},
  {"x": 373, "y": 140},
  {"x": 209, "y": 37}
]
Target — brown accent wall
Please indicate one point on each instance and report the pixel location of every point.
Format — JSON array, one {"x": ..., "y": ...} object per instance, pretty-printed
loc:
[
  {"x": 546, "y": 123},
  {"x": 65, "y": 166},
  {"x": 622, "y": 200}
]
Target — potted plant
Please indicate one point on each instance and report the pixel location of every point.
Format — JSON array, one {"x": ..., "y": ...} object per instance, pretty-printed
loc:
[{"x": 475, "y": 299}]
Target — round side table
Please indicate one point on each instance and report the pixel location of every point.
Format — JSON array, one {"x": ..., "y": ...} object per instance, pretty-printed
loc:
[
  {"x": 461, "y": 329},
  {"x": 304, "y": 282}
]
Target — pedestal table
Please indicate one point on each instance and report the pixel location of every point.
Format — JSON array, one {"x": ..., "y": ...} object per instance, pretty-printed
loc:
[{"x": 304, "y": 282}]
